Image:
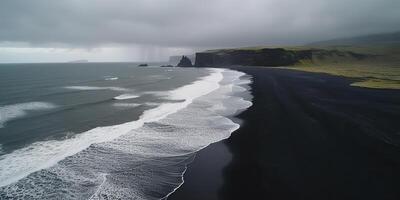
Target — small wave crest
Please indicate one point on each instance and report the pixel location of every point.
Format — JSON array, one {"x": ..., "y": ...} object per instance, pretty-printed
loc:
[
  {"x": 14, "y": 111},
  {"x": 95, "y": 88},
  {"x": 110, "y": 78},
  {"x": 129, "y": 105},
  {"x": 126, "y": 96},
  {"x": 44, "y": 154},
  {"x": 143, "y": 159}
]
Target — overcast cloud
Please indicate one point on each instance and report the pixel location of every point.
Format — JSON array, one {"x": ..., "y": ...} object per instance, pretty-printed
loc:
[{"x": 178, "y": 26}]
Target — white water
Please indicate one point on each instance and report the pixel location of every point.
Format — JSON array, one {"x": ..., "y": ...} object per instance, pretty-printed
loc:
[
  {"x": 130, "y": 105},
  {"x": 41, "y": 155},
  {"x": 111, "y": 78},
  {"x": 95, "y": 88},
  {"x": 126, "y": 96},
  {"x": 10, "y": 112},
  {"x": 144, "y": 159}
]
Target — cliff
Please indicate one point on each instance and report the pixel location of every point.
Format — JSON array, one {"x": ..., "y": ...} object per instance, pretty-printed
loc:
[{"x": 267, "y": 56}]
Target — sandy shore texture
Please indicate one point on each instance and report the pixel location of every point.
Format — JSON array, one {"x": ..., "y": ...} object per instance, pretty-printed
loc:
[{"x": 307, "y": 136}]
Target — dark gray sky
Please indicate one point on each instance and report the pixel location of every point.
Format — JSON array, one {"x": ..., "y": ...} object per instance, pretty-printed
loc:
[{"x": 123, "y": 30}]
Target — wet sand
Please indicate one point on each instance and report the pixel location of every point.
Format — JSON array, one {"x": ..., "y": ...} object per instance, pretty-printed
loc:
[{"x": 307, "y": 136}]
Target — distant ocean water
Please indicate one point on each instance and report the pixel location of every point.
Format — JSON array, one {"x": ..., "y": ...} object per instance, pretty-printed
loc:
[{"x": 109, "y": 130}]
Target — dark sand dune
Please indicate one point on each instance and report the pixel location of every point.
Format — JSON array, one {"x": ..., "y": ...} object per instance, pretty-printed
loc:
[{"x": 307, "y": 136}]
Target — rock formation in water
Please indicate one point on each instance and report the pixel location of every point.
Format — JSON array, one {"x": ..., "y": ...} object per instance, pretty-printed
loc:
[
  {"x": 185, "y": 62},
  {"x": 174, "y": 60}
]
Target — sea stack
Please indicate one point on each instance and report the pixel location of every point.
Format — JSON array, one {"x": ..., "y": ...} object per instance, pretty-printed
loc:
[{"x": 185, "y": 62}]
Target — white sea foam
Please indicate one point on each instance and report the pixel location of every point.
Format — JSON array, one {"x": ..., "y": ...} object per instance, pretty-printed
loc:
[
  {"x": 14, "y": 111},
  {"x": 111, "y": 78},
  {"x": 145, "y": 159},
  {"x": 41, "y": 155},
  {"x": 126, "y": 96},
  {"x": 95, "y": 88},
  {"x": 99, "y": 188},
  {"x": 130, "y": 105}
]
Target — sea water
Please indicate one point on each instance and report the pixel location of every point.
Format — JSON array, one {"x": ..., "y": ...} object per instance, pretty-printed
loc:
[{"x": 109, "y": 130}]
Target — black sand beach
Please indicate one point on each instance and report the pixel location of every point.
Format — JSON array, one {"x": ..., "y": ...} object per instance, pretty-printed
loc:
[{"x": 307, "y": 136}]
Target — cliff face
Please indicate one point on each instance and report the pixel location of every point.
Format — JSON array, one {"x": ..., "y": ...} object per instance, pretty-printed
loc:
[
  {"x": 273, "y": 57},
  {"x": 262, "y": 57}
]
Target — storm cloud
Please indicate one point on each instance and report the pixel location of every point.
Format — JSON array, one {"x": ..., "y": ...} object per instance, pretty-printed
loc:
[{"x": 190, "y": 23}]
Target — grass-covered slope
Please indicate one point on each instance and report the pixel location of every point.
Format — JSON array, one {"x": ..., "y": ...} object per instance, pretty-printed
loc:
[
  {"x": 375, "y": 65},
  {"x": 379, "y": 69}
]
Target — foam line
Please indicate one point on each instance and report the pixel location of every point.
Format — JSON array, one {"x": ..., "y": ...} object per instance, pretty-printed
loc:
[
  {"x": 95, "y": 195},
  {"x": 10, "y": 112},
  {"x": 44, "y": 154},
  {"x": 126, "y": 96},
  {"x": 111, "y": 78},
  {"x": 130, "y": 105},
  {"x": 95, "y": 88}
]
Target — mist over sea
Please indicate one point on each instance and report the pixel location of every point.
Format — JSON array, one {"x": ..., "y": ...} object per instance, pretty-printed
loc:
[{"x": 109, "y": 130}]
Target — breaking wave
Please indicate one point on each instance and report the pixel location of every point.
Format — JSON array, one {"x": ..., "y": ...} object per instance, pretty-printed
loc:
[
  {"x": 14, "y": 111},
  {"x": 95, "y": 88},
  {"x": 142, "y": 159},
  {"x": 110, "y": 78},
  {"x": 131, "y": 105},
  {"x": 126, "y": 96}
]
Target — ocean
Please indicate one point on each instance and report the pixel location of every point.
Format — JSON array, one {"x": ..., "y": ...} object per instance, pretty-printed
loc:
[{"x": 110, "y": 130}]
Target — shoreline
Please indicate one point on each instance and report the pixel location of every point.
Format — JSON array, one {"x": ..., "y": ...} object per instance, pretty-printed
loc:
[
  {"x": 307, "y": 136},
  {"x": 161, "y": 143},
  {"x": 207, "y": 183}
]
